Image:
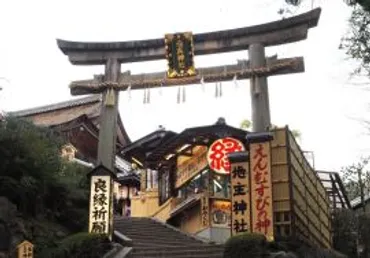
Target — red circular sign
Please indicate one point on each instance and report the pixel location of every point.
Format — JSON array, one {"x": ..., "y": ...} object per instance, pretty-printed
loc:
[{"x": 217, "y": 154}]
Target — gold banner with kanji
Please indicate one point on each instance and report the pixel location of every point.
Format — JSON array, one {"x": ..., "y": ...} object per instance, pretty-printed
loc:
[
  {"x": 180, "y": 55},
  {"x": 191, "y": 167},
  {"x": 240, "y": 198},
  {"x": 261, "y": 189},
  {"x": 100, "y": 215}
]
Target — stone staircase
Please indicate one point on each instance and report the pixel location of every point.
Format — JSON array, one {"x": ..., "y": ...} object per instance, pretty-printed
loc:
[{"x": 151, "y": 238}]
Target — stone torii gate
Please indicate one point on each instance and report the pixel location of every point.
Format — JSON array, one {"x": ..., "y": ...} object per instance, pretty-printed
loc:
[{"x": 254, "y": 39}]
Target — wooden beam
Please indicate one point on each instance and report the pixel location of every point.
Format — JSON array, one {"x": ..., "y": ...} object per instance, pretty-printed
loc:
[
  {"x": 209, "y": 74},
  {"x": 270, "y": 34}
]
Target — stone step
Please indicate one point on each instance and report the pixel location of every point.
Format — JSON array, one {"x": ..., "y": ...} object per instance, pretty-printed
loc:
[
  {"x": 175, "y": 251},
  {"x": 151, "y": 238},
  {"x": 147, "y": 229},
  {"x": 178, "y": 256},
  {"x": 139, "y": 243},
  {"x": 156, "y": 233},
  {"x": 171, "y": 248},
  {"x": 163, "y": 237}
]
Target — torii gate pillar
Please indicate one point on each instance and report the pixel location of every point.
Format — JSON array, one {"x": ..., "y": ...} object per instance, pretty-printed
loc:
[
  {"x": 261, "y": 120},
  {"x": 108, "y": 117}
]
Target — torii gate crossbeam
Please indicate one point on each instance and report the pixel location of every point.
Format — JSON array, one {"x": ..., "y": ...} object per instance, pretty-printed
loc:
[{"x": 254, "y": 38}]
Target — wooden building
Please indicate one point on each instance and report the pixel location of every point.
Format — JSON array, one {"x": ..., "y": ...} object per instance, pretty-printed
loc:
[
  {"x": 192, "y": 196},
  {"x": 77, "y": 121}
]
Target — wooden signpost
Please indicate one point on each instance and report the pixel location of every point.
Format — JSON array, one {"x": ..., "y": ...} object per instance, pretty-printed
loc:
[
  {"x": 101, "y": 201},
  {"x": 240, "y": 193},
  {"x": 25, "y": 249},
  {"x": 262, "y": 217}
]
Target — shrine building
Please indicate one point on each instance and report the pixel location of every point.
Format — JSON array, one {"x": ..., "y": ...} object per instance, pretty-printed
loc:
[
  {"x": 77, "y": 121},
  {"x": 186, "y": 182}
]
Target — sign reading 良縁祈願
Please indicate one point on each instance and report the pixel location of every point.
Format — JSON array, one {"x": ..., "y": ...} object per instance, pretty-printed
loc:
[{"x": 101, "y": 208}]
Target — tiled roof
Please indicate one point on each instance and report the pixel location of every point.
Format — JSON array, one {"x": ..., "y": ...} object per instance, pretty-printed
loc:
[
  {"x": 57, "y": 106},
  {"x": 67, "y": 111}
]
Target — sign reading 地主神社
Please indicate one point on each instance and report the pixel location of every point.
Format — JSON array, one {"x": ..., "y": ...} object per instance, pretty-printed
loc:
[
  {"x": 217, "y": 154},
  {"x": 261, "y": 189},
  {"x": 240, "y": 198}
]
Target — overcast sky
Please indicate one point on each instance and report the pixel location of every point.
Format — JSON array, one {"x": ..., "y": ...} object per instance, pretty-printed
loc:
[{"x": 322, "y": 103}]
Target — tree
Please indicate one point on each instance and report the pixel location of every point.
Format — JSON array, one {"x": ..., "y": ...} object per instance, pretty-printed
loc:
[
  {"x": 356, "y": 178},
  {"x": 296, "y": 133},
  {"x": 356, "y": 41},
  {"x": 35, "y": 178},
  {"x": 247, "y": 124},
  {"x": 29, "y": 163}
]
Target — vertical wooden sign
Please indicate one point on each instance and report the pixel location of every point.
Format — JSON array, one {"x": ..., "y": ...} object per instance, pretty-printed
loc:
[
  {"x": 101, "y": 201},
  {"x": 204, "y": 202},
  {"x": 240, "y": 194},
  {"x": 25, "y": 249},
  {"x": 261, "y": 189},
  {"x": 143, "y": 179}
]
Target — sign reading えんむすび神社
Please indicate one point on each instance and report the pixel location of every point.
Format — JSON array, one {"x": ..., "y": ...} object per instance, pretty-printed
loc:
[
  {"x": 261, "y": 189},
  {"x": 99, "y": 221},
  {"x": 217, "y": 154}
]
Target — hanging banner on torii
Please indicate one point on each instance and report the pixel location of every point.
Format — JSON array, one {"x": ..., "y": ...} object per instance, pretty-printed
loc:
[{"x": 180, "y": 55}]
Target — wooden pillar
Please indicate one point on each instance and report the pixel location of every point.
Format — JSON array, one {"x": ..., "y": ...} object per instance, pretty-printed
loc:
[
  {"x": 108, "y": 119},
  {"x": 259, "y": 90}
]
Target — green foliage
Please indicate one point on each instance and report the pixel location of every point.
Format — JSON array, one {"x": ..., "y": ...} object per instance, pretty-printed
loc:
[
  {"x": 356, "y": 178},
  {"x": 356, "y": 41},
  {"x": 245, "y": 245},
  {"x": 344, "y": 225},
  {"x": 294, "y": 2},
  {"x": 255, "y": 245},
  {"x": 296, "y": 133},
  {"x": 29, "y": 162},
  {"x": 365, "y": 4},
  {"x": 48, "y": 191},
  {"x": 294, "y": 248},
  {"x": 79, "y": 245},
  {"x": 246, "y": 124},
  {"x": 364, "y": 233}
]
